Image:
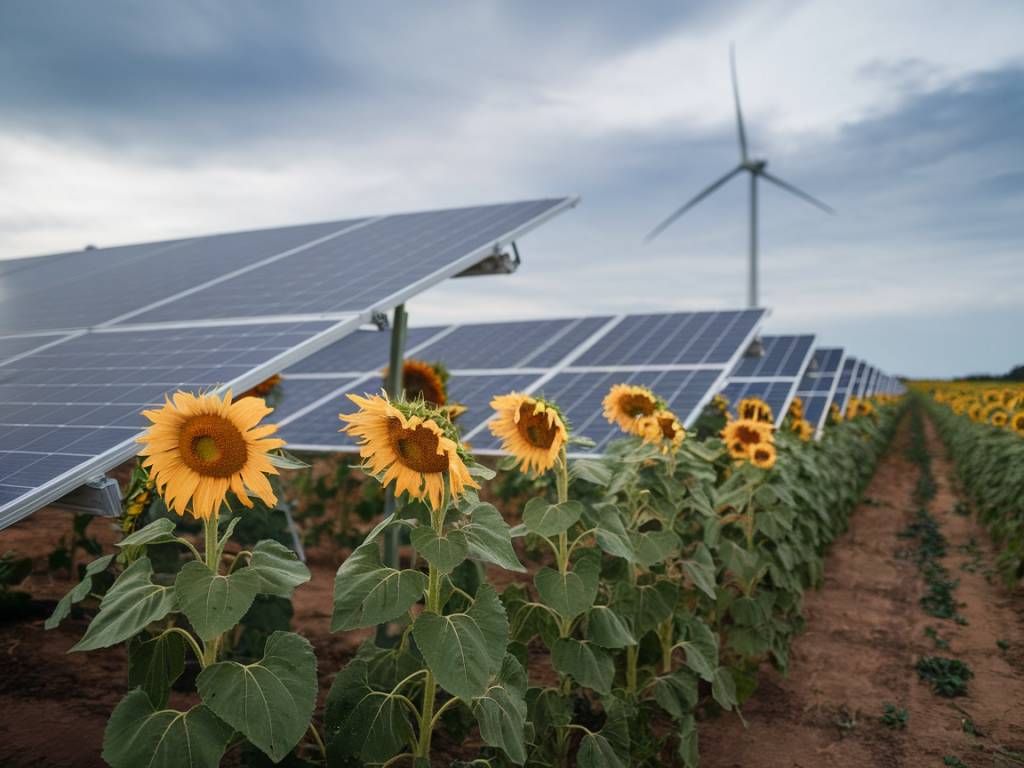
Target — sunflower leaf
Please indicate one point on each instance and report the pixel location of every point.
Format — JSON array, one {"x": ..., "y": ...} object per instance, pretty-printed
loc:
[
  {"x": 79, "y": 592},
  {"x": 654, "y": 546},
  {"x": 160, "y": 531},
  {"x": 284, "y": 460},
  {"x": 701, "y": 570},
  {"x": 489, "y": 614},
  {"x": 546, "y": 519},
  {"x": 271, "y": 701},
  {"x": 490, "y": 539},
  {"x": 607, "y": 629},
  {"x": 139, "y": 734},
  {"x": 214, "y": 603},
  {"x": 361, "y": 721},
  {"x": 501, "y": 711},
  {"x": 588, "y": 664},
  {"x": 129, "y": 605},
  {"x": 569, "y": 593},
  {"x": 597, "y": 752},
  {"x": 594, "y": 471},
  {"x": 444, "y": 552},
  {"x": 155, "y": 664},
  {"x": 366, "y": 592},
  {"x": 455, "y": 649},
  {"x": 278, "y": 567}
]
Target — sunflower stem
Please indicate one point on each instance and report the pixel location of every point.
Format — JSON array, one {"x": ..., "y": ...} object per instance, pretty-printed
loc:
[{"x": 211, "y": 552}]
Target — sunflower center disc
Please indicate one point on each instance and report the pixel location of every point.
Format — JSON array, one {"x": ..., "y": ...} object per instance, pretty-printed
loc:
[
  {"x": 748, "y": 436},
  {"x": 212, "y": 446},
  {"x": 534, "y": 427},
  {"x": 417, "y": 449},
  {"x": 637, "y": 405}
]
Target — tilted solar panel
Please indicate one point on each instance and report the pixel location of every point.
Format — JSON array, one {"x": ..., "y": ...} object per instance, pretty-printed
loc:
[
  {"x": 89, "y": 339},
  {"x": 818, "y": 386},
  {"x": 772, "y": 376}
]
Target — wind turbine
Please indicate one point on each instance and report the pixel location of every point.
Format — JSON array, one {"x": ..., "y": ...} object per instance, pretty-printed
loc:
[{"x": 756, "y": 169}]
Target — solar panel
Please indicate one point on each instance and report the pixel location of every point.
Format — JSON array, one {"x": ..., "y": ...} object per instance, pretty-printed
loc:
[
  {"x": 569, "y": 360},
  {"x": 817, "y": 388},
  {"x": 88, "y": 339},
  {"x": 772, "y": 376}
]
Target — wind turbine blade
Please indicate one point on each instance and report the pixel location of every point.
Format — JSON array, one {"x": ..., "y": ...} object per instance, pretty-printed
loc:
[
  {"x": 700, "y": 196},
  {"x": 798, "y": 192},
  {"x": 736, "y": 98}
]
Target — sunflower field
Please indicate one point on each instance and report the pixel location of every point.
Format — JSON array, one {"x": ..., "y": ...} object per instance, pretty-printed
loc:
[
  {"x": 595, "y": 617},
  {"x": 982, "y": 424}
]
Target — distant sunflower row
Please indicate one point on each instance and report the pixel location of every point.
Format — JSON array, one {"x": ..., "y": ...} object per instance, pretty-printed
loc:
[{"x": 999, "y": 407}]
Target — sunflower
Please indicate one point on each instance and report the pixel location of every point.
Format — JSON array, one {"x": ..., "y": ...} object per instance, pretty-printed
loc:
[
  {"x": 763, "y": 456},
  {"x": 264, "y": 388},
  {"x": 803, "y": 429},
  {"x": 999, "y": 418},
  {"x": 625, "y": 404},
  {"x": 531, "y": 429},
  {"x": 992, "y": 396},
  {"x": 720, "y": 403},
  {"x": 200, "y": 447},
  {"x": 424, "y": 381},
  {"x": 1017, "y": 422},
  {"x": 835, "y": 415},
  {"x": 743, "y": 435},
  {"x": 411, "y": 445},
  {"x": 662, "y": 428},
  {"x": 796, "y": 408},
  {"x": 756, "y": 409}
]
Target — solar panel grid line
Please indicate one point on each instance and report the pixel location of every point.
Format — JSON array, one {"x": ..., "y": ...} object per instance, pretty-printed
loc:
[
  {"x": 555, "y": 338},
  {"x": 630, "y": 368},
  {"x": 41, "y": 347},
  {"x": 223, "y": 322},
  {"x": 775, "y": 375},
  {"x": 360, "y": 378},
  {"x": 593, "y": 339},
  {"x": 820, "y": 427},
  {"x": 238, "y": 272}
]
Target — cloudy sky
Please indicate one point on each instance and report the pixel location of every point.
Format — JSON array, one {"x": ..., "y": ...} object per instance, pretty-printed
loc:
[{"x": 129, "y": 121}]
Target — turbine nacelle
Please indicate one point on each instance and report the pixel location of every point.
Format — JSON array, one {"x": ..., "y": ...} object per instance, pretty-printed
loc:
[{"x": 754, "y": 166}]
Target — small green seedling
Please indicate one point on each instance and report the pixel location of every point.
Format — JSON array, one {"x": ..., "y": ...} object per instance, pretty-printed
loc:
[
  {"x": 947, "y": 677},
  {"x": 895, "y": 717}
]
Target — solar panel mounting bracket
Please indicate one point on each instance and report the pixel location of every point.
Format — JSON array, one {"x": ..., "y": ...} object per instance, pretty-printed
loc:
[
  {"x": 499, "y": 262},
  {"x": 380, "y": 319},
  {"x": 100, "y": 497}
]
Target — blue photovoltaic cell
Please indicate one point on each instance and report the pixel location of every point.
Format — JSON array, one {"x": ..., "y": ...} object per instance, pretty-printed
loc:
[
  {"x": 360, "y": 269},
  {"x": 775, "y": 393},
  {"x": 691, "y": 338},
  {"x": 817, "y": 385},
  {"x": 77, "y": 400},
  {"x": 815, "y": 407},
  {"x": 526, "y": 344},
  {"x": 822, "y": 371},
  {"x": 86, "y": 288},
  {"x": 361, "y": 351},
  {"x": 784, "y": 356},
  {"x": 17, "y": 345}
]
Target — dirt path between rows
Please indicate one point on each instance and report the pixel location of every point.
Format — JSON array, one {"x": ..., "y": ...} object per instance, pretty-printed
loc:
[{"x": 865, "y": 631}]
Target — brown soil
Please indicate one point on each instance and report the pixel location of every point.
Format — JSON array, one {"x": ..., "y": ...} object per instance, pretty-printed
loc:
[{"x": 864, "y": 632}]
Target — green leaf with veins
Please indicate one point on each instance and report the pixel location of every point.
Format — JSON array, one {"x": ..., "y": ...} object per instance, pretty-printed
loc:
[
  {"x": 214, "y": 603},
  {"x": 489, "y": 538},
  {"x": 139, "y": 734},
  {"x": 546, "y": 519},
  {"x": 278, "y": 567},
  {"x": 366, "y": 592},
  {"x": 270, "y": 701},
  {"x": 132, "y": 603},
  {"x": 444, "y": 552}
]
